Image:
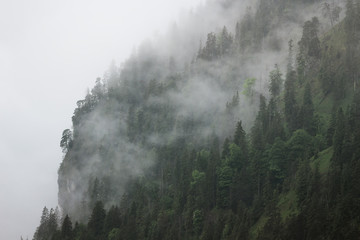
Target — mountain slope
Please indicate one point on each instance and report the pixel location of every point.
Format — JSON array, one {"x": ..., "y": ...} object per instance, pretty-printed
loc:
[{"x": 252, "y": 137}]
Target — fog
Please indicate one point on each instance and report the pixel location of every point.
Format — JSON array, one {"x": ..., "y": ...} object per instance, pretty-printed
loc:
[{"x": 50, "y": 53}]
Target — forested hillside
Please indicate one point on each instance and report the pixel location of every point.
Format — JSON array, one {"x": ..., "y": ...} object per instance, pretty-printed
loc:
[{"x": 251, "y": 131}]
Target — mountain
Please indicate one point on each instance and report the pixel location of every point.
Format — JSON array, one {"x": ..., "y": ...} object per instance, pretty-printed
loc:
[{"x": 253, "y": 133}]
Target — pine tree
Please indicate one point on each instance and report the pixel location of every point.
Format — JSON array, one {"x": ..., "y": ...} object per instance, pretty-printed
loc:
[
  {"x": 302, "y": 181},
  {"x": 339, "y": 137},
  {"x": 263, "y": 117},
  {"x": 331, "y": 129},
  {"x": 278, "y": 159},
  {"x": 112, "y": 219},
  {"x": 52, "y": 222},
  {"x": 352, "y": 39},
  {"x": 289, "y": 99},
  {"x": 291, "y": 108},
  {"x": 97, "y": 219},
  {"x": 240, "y": 139},
  {"x": 355, "y": 123},
  {"x": 244, "y": 32},
  {"x": 225, "y": 175},
  {"x": 42, "y": 232},
  {"x": 226, "y": 41},
  {"x": 66, "y": 229},
  {"x": 276, "y": 82},
  {"x": 225, "y": 151},
  {"x": 308, "y": 111}
]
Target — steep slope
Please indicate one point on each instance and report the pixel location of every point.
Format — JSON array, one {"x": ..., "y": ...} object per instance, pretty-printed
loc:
[{"x": 164, "y": 137}]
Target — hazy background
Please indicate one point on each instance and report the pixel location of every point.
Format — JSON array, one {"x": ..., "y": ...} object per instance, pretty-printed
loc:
[{"x": 50, "y": 53}]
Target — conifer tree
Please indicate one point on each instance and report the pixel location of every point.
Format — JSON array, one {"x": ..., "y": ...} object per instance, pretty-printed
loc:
[
  {"x": 226, "y": 41},
  {"x": 331, "y": 128},
  {"x": 308, "y": 111},
  {"x": 339, "y": 137},
  {"x": 42, "y": 232},
  {"x": 291, "y": 108},
  {"x": 302, "y": 182},
  {"x": 289, "y": 99},
  {"x": 240, "y": 139},
  {"x": 112, "y": 219},
  {"x": 276, "y": 82},
  {"x": 97, "y": 219},
  {"x": 66, "y": 229},
  {"x": 225, "y": 150}
]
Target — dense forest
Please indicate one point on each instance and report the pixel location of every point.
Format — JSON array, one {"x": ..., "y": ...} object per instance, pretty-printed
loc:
[{"x": 250, "y": 133}]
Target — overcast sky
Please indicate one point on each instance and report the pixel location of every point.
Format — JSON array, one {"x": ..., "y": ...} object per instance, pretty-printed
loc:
[{"x": 51, "y": 51}]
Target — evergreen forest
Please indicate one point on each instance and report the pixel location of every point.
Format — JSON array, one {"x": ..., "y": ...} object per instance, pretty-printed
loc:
[{"x": 248, "y": 131}]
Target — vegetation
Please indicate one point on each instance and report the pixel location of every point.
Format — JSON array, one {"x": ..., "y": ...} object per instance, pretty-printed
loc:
[{"x": 176, "y": 154}]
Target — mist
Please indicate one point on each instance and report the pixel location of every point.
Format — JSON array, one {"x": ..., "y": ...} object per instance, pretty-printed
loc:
[
  {"x": 51, "y": 52},
  {"x": 198, "y": 94}
]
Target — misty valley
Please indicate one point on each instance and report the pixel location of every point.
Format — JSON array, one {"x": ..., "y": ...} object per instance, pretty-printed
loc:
[{"x": 248, "y": 131}]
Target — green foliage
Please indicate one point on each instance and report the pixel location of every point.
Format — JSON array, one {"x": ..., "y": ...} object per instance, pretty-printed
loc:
[
  {"x": 198, "y": 218},
  {"x": 302, "y": 182},
  {"x": 339, "y": 136},
  {"x": 240, "y": 138},
  {"x": 275, "y": 82},
  {"x": 66, "y": 229},
  {"x": 97, "y": 219},
  {"x": 236, "y": 158},
  {"x": 278, "y": 159},
  {"x": 225, "y": 174},
  {"x": 112, "y": 219},
  {"x": 308, "y": 120},
  {"x": 300, "y": 145},
  {"x": 48, "y": 225},
  {"x": 287, "y": 205},
  {"x": 309, "y": 42},
  {"x": 290, "y": 109},
  {"x": 198, "y": 178},
  {"x": 288, "y": 178},
  {"x": 248, "y": 87},
  {"x": 114, "y": 234}
]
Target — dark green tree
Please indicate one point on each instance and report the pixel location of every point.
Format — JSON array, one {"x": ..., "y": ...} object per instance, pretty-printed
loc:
[
  {"x": 42, "y": 232},
  {"x": 276, "y": 82},
  {"x": 308, "y": 111},
  {"x": 331, "y": 129},
  {"x": 245, "y": 31},
  {"x": 352, "y": 31},
  {"x": 225, "y": 175},
  {"x": 113, "y": 219},
  {"x": 310, "y": 42},
  {"x": 339, "y": 136},
  {"x": 66, "y": 229},
  {"x": 278, "y": 159},
  {"x": 211, "y": 49},
  {"x": 97, "y": 219},
  {"x": 302, "y": 182},
  {"x": 226, "y": 41},
  {"x": 291, "y": 109},
  {"x": 240, "y": 139},
  {"x": 225, "y": 151},
  {"x": 66, "y": 140}
]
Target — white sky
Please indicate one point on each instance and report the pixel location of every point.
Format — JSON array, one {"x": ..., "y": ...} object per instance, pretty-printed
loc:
[{"x": 51, "y": 51}]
